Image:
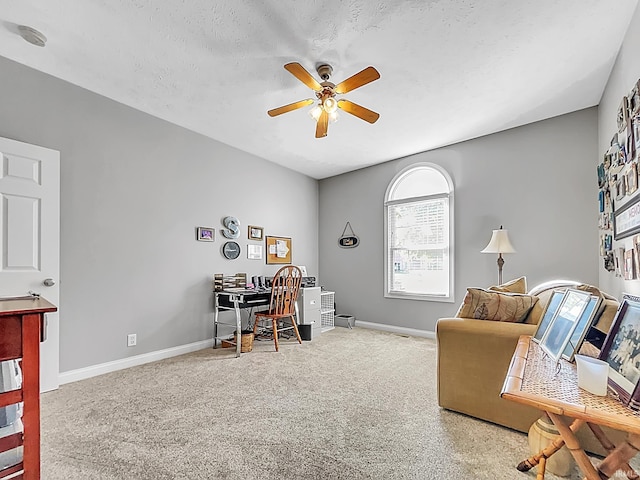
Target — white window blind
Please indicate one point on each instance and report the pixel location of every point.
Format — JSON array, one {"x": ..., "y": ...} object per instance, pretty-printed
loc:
[{"x": 419, "y": 247}]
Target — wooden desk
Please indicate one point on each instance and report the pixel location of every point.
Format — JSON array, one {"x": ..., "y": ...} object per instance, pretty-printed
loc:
[
  {"x": 533, "y": 379},
  {"x": 21, "y": 327}
]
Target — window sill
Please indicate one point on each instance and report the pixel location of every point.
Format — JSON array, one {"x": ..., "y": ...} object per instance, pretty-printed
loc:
[{"x": 415, "y": 296}]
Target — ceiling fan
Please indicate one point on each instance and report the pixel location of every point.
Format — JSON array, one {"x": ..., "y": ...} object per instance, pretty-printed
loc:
[{"x": 326, "y": 94}]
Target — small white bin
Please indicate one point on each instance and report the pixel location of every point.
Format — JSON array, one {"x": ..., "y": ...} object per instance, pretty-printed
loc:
[
  {"x": 592, "y": 374},
  {"x": 347, "y": 321}
]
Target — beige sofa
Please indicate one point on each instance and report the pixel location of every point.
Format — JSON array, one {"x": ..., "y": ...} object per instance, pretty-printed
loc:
[{"x": 474, "y": 355}]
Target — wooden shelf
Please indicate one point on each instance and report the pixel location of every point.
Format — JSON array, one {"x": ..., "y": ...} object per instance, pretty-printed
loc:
[{"x": 21, "y": 327}]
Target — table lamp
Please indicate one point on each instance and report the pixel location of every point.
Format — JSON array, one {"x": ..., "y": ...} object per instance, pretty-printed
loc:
[{"x": 499, "y": 244}]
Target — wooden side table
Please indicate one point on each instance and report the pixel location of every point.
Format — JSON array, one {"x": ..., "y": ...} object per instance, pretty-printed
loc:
[
  {"x": 21, "y": 327},
  {"x": 534, "y": 379}
]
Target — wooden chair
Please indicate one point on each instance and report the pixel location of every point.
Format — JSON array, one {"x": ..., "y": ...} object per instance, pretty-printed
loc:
[{"x": 284, "y": 291}]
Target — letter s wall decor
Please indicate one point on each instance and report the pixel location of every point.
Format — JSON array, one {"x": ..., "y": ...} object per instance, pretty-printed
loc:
[{"x": 232, "y": 227}]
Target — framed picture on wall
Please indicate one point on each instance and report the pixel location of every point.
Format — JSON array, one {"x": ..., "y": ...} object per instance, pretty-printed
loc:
[
  {"x": 622, "y": 117},
  {"x": 255, "y": 233},
  {"x": 626, "y": 220},
  {"x": 254, "y": 252},
  {"x": 205, "y": 234},
  {"x": 632, "y": 178}
]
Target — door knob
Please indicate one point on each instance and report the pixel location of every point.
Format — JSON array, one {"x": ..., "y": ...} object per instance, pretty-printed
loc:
[{"x": 49, "y": 282}]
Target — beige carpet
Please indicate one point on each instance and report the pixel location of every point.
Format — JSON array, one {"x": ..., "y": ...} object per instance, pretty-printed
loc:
[{"x": 354, "y": 404}]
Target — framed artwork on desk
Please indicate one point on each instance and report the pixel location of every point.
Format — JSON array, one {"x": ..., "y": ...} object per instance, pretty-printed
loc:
[{"x": 278, "y": 250}]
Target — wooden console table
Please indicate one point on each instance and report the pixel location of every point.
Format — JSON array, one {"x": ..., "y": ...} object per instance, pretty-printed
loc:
[
  {"x": 533, "y": 379},
  {"x": 21, "y": 329}
]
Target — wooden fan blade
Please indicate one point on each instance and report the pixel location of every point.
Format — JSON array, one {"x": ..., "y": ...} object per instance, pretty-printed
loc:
[
  {"x": 367, "y": 75},
  {"x": 323, "y": 124},
  {"x": 301, "y": 74},
  {"x": 360, "y": 112},
  {"x": 292, "y": 106}
]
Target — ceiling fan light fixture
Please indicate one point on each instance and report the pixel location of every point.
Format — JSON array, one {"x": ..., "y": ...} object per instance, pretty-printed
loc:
[
  {"x": 330, "y": 105},
  {"x": 316, "y": 111}
]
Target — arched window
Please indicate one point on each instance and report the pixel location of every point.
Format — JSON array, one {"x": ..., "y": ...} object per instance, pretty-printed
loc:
[{"x": 419, "y": 234}]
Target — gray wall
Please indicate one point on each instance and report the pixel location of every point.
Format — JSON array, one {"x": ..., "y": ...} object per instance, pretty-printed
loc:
[
  {"x": 625, "y": 73},
  {"x": 133, "y": 189},
  {"x": 537, "y": 180}
]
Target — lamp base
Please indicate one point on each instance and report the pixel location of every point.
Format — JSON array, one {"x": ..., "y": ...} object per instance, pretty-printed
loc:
[{"x": 500, "y": 265}]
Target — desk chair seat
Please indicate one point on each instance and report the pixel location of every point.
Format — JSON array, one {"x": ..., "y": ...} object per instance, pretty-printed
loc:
[{"x": 280, "y": 316}]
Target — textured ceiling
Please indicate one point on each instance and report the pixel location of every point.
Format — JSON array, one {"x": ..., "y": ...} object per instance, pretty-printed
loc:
[{"x": 450, "y": 69}]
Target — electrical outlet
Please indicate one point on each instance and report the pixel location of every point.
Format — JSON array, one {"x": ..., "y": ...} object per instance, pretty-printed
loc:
[{"x": 131, "y": 340}]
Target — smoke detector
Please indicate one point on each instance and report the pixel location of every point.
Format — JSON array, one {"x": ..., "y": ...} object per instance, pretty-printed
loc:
[{"x": 32, "y": 36}]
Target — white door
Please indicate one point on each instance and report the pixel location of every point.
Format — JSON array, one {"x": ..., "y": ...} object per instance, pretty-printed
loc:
[{"x": 30, "y": 236}]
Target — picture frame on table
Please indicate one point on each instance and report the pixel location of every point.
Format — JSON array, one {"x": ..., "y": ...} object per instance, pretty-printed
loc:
[
  {"x": 621, "y": 350},
  {"x": 582, "y": 327},
  {"x": 205, "y": 234},
  {"x": 255, "y": 233},
  {"x": 564, "y": 322},
  {"x": 547, "y": 316}
]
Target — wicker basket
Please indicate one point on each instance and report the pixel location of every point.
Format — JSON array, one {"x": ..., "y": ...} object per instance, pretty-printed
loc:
[{"x": 246, "y": 342}]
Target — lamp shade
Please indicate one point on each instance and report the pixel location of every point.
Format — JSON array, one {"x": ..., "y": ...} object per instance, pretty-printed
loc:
[{"x": 499, "y": 243}]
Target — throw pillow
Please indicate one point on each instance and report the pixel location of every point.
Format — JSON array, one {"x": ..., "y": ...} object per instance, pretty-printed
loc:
[
  {"x": 518, "y": 285},
  {"x": 489, "y": 305}
]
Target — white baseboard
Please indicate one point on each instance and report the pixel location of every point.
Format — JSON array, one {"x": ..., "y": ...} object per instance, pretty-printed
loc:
[
  {"x": 392, "y": 328},
  {"x": 102, "y": 368}
]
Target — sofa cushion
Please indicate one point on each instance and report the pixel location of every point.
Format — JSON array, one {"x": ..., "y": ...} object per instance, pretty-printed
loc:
[
  {"x": 518, "y": 285},
  {"x": 484, "y": 304}
]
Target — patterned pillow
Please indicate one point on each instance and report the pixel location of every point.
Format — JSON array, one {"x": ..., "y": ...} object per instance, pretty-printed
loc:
[
  {"x": 519, "y": 285},
  {"x": 502, "y": 307}
]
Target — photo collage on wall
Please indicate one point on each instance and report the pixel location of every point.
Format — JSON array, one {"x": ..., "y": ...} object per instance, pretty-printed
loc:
[{"x": 618, "y": 194}]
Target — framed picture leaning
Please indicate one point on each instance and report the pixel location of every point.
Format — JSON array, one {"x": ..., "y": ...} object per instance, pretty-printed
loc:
[
  {"x": 564, "y": 322},
  {"x": 621, "y": 350}
]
